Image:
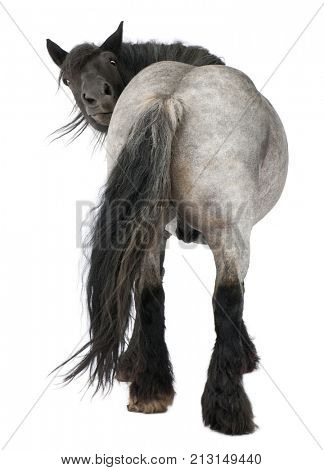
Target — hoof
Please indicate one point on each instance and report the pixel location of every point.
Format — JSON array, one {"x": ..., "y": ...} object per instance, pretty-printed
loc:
[
  {"x": 157, "y": 404},
  {"x": 228, "y": 412}
]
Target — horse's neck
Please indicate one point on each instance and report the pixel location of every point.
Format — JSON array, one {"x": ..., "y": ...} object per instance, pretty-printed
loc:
[{"x": 135, "y": 57}]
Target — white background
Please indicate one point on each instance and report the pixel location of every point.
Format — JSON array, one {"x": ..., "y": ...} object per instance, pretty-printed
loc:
[{"x": 40, "y": 263}]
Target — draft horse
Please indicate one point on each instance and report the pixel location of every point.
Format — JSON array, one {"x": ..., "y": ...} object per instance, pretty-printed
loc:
[{"x": 190, "y": 139}]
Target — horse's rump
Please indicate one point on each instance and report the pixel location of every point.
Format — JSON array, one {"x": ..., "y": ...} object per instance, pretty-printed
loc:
[{"x": 222, "y": 140}]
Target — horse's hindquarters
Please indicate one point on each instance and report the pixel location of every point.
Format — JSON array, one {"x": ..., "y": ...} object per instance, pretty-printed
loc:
[
  {"x": 230, "y": 149},
  {"x": 218, "y": 147}
]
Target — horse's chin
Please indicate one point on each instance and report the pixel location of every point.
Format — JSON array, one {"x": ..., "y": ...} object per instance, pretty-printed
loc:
[
  {"x": 102, "y": 118},
  {"x": 100, "y": 122}
]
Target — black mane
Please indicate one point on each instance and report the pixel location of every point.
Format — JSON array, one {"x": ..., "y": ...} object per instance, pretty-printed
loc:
[{"x": 135, "y": 57}]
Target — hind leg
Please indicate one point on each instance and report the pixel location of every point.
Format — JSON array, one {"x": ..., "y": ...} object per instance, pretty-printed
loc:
[
  {"x": 251, "y": 356},
  {"x": 225, "y": 405},
  {"x": 128, "y": 360},
  {"x": 151, "y": 390}
]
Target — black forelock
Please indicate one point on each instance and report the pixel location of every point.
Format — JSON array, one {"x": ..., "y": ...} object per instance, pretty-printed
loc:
[{"x": 78, "y": 57}]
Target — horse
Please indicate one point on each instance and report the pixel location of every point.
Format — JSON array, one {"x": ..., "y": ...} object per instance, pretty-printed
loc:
[{"x": 195, "y": 143}]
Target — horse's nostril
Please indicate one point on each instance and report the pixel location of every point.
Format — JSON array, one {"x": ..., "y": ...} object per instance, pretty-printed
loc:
[
  {"x": 88, "y": 99},
  {"x": 107, "y": 89}
]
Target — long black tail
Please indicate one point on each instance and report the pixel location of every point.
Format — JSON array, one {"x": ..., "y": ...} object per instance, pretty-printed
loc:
[{"x": 129, "y": 208}]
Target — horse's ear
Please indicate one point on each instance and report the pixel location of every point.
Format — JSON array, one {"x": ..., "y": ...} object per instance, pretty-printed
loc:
[
  {"x": 56, "y": 52},
  {"x": 114, "y": 41}
]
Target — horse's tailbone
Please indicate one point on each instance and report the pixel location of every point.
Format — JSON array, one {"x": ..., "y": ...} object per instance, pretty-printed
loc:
[{"x": 128, "y": 218}]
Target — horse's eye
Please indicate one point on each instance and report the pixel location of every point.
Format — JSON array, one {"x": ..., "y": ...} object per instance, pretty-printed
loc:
[
  {"x": 112, "y": 61},
  {"x": 66, "y": 81}
]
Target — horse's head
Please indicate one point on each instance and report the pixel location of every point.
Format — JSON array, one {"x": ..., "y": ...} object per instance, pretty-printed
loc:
[{"x": 93, "y": 75}]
